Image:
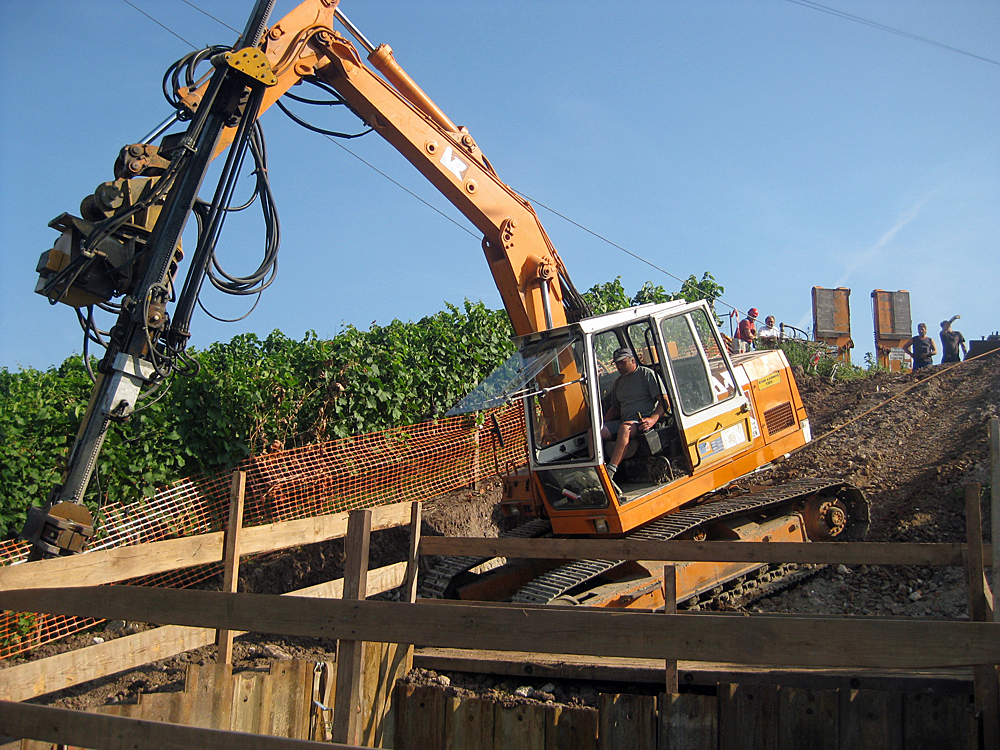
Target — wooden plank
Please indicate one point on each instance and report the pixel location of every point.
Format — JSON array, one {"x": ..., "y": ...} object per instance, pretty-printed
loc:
[
  {"x": 849, "y": 553},
  {"x": 251, "y": 702},
  {"x": 276, "y": 536},
  {"x": 174, "y": 708},
  {"x": 101, "y": 732},
  {"x": 870, "y": 719},
  {"x": 706, "y": 674},
  {"x": 211, "y": 686},
  {"x": 231, "y": 557},
  {"x": 420, "y": 717},
  {"x": 984, "y": 675},
  {"x": 937, "y": 721},
  {"x": 321, "y": 715},
  {"x": 521, "y": 727},
  {"x": 774, "y": 640},
  {"x": 128, "y": 710},
  {"x": 119, "y": 564},
  {"x": 32, "y": 679},
  {"x": 380, "y": 580},
  {"x": 670, "y": 608},
  {"x": 574, "y": 728},
  {"x": 688, "y": 721},
  {"x": 413, "y": 561},
  {"x": 384, "y": 665},
  {"x": 627, "y": 721},
  {"x": 808, "y": 719},
  {"x": 290, "y": 698},
  {"x": 974, "y": 564},
  {"x": 748, "y": 716},
  {"x": 469, "y": 723},
  {"x": 995, "y": 505},
  {"x": 123, "y": 563},
  {"x": 350, "y": 651}
]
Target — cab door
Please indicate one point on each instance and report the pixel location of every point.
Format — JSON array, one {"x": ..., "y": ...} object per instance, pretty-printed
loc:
[{"x": 712, "y": 413}]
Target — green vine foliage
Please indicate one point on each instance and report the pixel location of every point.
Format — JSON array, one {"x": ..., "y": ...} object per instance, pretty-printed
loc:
[
  {"x": 39, "y": 412},
  {"x": 249, "y": 394},
  {"x": 611, "y": 295},
  {"x": 252, "y": 394}
]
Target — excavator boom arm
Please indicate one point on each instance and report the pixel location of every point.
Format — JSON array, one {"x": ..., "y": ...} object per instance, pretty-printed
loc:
[{"x": 527, "y": 270}]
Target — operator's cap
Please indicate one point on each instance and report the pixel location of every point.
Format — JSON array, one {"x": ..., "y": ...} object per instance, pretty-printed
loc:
[
  {"x": 945, "y": 323},
  {"x": 623, "y": 353}
]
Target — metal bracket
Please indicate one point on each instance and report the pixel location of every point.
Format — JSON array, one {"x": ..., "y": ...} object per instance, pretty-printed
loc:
[{"x": 252, "y": 63}]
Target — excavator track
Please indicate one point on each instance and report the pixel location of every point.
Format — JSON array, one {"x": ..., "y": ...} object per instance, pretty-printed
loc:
[
  {"x": 562, "y": 580},
  {"x": 435, "y": 583}
]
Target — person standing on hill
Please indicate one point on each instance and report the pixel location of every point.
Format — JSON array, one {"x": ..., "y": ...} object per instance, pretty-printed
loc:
[
  {"x": 951, "y": 342},
  {"x": 921, "y": 347},
  {"x": 746, "y": 334},
  {"x": 768, "y": 333}
]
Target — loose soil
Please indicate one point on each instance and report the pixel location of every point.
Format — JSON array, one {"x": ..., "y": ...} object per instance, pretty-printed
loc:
[{"x": 911, "y": 442}]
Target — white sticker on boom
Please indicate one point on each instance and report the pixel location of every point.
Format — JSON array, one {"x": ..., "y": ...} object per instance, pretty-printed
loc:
[{"x": 453, "y": 164}]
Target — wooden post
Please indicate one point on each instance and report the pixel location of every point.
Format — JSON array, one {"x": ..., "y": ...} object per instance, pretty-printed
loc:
[
  {"x": 984, "y": 675},
  {"x": 475, "y": 455},
  {"x": 413, "y": 561},
  {"x": 350, "y": 654},
  {"x": 995, "y": 506},
  {"x": 231, "y": 559},
  {"x": 670, "y": 608}
]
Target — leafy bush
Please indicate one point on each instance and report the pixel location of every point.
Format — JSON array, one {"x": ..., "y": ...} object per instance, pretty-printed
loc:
[
  {"x": 611, "y": 295},
  {"x": 249, "y": 394},
  {"x": 813, "y": 357}
]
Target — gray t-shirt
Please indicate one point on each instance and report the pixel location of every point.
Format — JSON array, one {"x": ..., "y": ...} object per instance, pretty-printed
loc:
[{"x": 637, "y": 392}]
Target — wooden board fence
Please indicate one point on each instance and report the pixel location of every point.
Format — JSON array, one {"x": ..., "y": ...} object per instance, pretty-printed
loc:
[
  {"x": 124, "y": 563},
  {"x": 62, "y": 726},
  {"x": 778, "y": 640},
  {"x": 737, "y": 717},
  {"x": 848, "y": 553},
  {"x": 32, "y": 679}
]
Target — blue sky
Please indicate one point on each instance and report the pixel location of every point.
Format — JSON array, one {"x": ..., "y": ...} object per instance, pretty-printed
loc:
[{"x": 775, "y": 145}]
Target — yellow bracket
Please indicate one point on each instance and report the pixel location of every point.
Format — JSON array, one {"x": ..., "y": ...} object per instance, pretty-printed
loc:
[{"x": 253, "y": 63}]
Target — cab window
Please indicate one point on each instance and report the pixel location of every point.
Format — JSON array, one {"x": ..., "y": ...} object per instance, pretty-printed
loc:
[
  {"x": 605, "y": 344},
  {"x": 696, "y": 361},
  {"x": 722, "y": 381},
  {"x": 641, "y": 337}
]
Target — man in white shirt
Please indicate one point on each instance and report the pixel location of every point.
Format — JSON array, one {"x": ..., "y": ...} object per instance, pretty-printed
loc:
[{"x": 768, "y": 332}]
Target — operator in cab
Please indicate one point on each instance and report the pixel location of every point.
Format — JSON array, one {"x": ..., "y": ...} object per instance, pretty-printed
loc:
[{"x": 638, "y": 401}]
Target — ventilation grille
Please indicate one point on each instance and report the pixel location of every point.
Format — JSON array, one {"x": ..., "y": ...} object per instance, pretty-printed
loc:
[{"x": 779, "y": 418}]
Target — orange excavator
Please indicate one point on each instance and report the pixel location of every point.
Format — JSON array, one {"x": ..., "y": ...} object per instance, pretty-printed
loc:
[{"x": 728, "y": 416}]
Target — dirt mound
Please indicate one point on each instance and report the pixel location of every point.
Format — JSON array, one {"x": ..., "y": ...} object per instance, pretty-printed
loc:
[{"x": 911, "y": 442}]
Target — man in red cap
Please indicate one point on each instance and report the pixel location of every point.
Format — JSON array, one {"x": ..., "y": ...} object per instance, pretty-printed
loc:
[{"x": 746, "y": 334}]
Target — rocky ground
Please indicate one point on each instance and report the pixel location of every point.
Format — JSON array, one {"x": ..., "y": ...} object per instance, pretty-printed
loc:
[
  {"x": 911, "y": 442},
  {"x": 912, "y": 457}
]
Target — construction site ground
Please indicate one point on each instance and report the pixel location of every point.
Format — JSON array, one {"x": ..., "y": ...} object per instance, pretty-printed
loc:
[{"x": 912, "y": 456}]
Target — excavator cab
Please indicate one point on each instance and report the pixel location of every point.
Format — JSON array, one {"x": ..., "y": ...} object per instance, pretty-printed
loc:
[{"x": 564, "y": 378}]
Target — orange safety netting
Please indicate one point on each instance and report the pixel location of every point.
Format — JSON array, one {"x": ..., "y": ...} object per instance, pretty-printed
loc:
[{"x": 398, "y": 465}]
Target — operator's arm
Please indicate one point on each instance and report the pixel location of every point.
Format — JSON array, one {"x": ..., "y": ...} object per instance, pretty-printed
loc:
[
  {"x": 961, "y": 343},
  {"x": 908, "y": 346}
]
